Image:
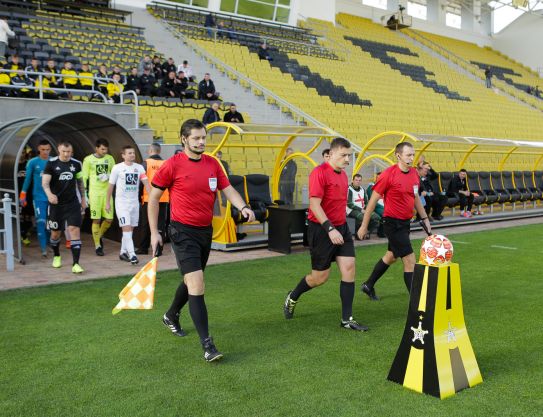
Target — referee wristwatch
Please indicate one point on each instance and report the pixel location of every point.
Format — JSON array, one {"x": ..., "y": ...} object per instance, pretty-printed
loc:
[{"x": 328, "y": 226}]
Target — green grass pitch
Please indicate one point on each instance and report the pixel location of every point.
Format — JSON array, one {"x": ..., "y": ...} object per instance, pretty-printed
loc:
[{"x": 62, "y": 353}]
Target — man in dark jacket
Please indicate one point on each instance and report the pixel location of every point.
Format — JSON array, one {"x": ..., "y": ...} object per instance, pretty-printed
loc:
[
  {"x": 168, "y": 67},
  {"x": 287, "y": 180},
  {"x": 206, "y": 89},
  {"x": 233, "y": 116},
  {"x": 183, "y": 85},
  {"x": 169, "y": 86},
  {"x": 435, "y": 201},
  {"x": 147, "y": 83},
  {"x": 211, "y": 115},
  {"x": 263, "y": 52},
  {"x": 132, "y": 81},
  {"x": 458, "y": 187}
]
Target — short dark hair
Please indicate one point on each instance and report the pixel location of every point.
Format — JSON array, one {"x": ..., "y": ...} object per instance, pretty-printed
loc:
[
  {"x": 44, "y": 142},
  {"x": 101, "y": 142},
  {"x": 340, "y": 143},
  {"x": 463, "y": 170},
  {"x": 326, "y": 152},
  {"x": 65, "y": 143},
  {"x": 155, "y": 147},
  {"x": 400, "y": 146},
  {"x": 357, "y": 176},
  {"x": 190, "y": 124},
  {"x": 126, "y": 147}
]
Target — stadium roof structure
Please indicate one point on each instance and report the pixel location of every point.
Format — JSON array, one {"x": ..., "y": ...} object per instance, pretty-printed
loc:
[{"x": 460, "y": 148}]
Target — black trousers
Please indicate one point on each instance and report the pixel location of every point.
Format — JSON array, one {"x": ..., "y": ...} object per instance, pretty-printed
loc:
[
  {"x": 163, "y": 221},
  {"x": 435, "y": 204},
  {"x": 466, "y": 201}
]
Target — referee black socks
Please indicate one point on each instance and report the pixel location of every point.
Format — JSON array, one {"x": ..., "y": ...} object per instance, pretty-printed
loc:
[
  {"x": 346, "y": 293},
  {"x": 198, "y": 313},
  {"x": 179, "y": 301},
  {"x": 302, "y": 287},
  {"x": 408, "y": 278},
  {"x": 378, "y": 271}
]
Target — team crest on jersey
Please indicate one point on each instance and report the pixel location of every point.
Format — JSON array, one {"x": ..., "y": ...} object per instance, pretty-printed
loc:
[
  {"x": 213, "y": 184},
  {"x": 131, "y": 178}
]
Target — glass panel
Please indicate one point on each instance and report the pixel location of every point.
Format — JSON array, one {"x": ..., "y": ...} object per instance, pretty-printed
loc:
[
  {"x": 282, "y": 15},
  {"x": 249, "y": 8},
  {"x": 200, "y": 3},
  {"x": 228, "y": 5},
  {"x": 284, "y": 2}
]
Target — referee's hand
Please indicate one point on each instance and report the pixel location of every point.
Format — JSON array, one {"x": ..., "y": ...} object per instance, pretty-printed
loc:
[
  {"x": 335, "y": 237},
  {"x": 362, "y": 232},
  {"x": 156, "y": 241}
]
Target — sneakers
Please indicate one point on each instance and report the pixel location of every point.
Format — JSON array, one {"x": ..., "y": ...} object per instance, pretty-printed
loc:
[
  {"x": 478, "y": 212},
  {"x": 134, "y": 260},
  {"x": 57, "y": 262},
  {"x": 99, "y": 251},
  {"x": 26, "y": 241},
  {"x": 370, "y": 292},
  {"x": 44, "y": 254},
  {"x": 173, "y": 325},
  {"x": 466, "y": 214},
  {"x": 76, "y": 269},
  {"x": 124, "y": 257},
  {"x": 210, "y": 351},
  {"x": 288, "y": 306},
  {"x": 353, "y": 325}
]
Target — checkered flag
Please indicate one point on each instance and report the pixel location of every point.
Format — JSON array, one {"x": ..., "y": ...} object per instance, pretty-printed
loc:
[{"x": 140, "y": 291}]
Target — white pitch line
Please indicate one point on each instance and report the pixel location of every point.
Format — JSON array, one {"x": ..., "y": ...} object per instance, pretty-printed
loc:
[
  {"x": 503, "y": 247},
  {"x": 459, "y": 241}
]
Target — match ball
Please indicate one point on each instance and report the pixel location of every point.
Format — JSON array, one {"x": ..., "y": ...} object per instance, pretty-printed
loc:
[{"x": 436, "y": 250}]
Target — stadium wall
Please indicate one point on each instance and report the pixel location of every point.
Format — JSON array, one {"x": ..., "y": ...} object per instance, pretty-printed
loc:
[{"x": 521, "y": 40}]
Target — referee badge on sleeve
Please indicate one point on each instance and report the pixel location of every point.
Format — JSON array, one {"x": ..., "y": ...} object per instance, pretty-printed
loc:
[
  {"x": 213, "y": 184},
  {"x": 415, "y": 189}
]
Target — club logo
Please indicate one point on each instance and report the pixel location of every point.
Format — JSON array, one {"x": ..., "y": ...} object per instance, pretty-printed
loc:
[
  {"x": 213, "y": 184},
  {"x": 101, "y": 169},
  {"x": 131, "y": 178},
  {"x": 65, "y": 176}
]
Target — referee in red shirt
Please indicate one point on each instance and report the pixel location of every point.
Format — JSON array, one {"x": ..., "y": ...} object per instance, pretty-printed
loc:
[
  {"x": 192, "y": 180},
  {"x": 328, "y": 234},
  {"x": 398, "y": 185}
]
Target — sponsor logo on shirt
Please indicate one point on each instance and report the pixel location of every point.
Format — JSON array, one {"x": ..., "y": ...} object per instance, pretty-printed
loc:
[
  {"x": 213, "y": 184},
  {"x": 65, "y": 176}
]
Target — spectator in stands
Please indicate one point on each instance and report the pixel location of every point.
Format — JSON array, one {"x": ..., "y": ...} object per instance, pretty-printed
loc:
[
  {"x": 168, "y": 67},
  {"x": 33, "y": 67},
  {"x": 187, "y": 69},
  {"x": 326, "y": 155},
  {"x": 117, "y": 70},
  {"x": 115, "y": 88},
  {"x": 206, "y": 89},
  {"x": 435, "y": 201},
  {"x": 13, "y": 65},
  {"x": 4, "y": 80},
  {"x": 46, "y": 85},
  {"x": 169, "y": 86},
  {"x": 263, "y": 52},
  {"x": 5, "y": 31},
  {"x": 233, "y": 116},
  {"x": 69, "y": 80},
  {"x": 223, "y": 31},
  {"x": 52, "y": 67},
  {"x": 132, "y": 81},
  {"x": 147, "y": 83},
  {"x": 488, "y": 77},
  {"x": 157, "y": 67},
  {"x": 392, "y": 21},
  {"x": 287, "y": 180},
  {"x": 356, "y": 204},
  {"x": 211, "y": 115},
  {"x": 537, "y": 92},
  {"x": 223, "y": 163},
  {"x": 145, "y": 62},
  {"x": 183, "y": 85},
  {"x": 86, "y": 83},
  {"x": 458, "y": 187},
  {"x": 209, "y": 24},
  {"x": 101, "y": 79},
  {"x": 20, "y": 80}
]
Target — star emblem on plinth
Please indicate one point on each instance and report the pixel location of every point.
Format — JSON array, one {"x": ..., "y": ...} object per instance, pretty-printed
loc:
[
  {"x": 451, "y": 337},
  {"x": 419, "y": 333}
]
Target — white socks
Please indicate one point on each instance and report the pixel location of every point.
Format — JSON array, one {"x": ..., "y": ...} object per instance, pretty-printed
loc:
[{"x": 127, "y": 244}]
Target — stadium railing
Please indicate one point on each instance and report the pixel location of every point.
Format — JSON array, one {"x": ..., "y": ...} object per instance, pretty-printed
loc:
[{"x": 7, "y": 233}]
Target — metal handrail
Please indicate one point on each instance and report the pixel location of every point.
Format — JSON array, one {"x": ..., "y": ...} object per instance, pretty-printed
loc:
[
  {"x": 136, "y": 105},
  {"x": 7, "y": 233},
  {"x": 295, "y": 111}
]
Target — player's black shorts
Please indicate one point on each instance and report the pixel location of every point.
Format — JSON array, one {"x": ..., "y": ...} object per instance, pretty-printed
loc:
[
  {"x": 323, "y": 251},
  {"x": 397, "y": 232},
  {"x": 191, "y": 245},
  {"x": 60, "y": 215}
]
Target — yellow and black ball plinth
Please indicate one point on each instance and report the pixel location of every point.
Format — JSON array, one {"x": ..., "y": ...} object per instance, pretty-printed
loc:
[{"x": 435, "y": 355}]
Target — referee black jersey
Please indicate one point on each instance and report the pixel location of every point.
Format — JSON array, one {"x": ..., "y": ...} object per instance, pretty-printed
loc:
[{"x": 64, "y": 176}]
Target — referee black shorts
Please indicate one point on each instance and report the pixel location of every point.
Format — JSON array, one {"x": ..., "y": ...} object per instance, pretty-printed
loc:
[
  {"x": 397, "y": 232},
  {"x": 323, "y": 251},
  {"x": 65, "y": 214},
  {"x": 191, "y": 245}
]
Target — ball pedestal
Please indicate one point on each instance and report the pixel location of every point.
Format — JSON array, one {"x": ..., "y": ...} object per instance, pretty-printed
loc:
[{"x": 435, "y": 355}]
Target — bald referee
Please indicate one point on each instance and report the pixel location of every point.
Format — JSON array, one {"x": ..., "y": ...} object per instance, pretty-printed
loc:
[
  {"x": 192, "y": 180},
  {"x": 398, "y": 185}
]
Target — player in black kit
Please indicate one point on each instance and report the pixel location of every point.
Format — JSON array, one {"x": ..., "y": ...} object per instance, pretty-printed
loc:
[{"x": 62, "y": 177}]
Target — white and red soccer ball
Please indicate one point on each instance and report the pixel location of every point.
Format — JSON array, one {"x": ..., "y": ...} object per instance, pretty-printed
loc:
[{"x": 436, "y": 250}]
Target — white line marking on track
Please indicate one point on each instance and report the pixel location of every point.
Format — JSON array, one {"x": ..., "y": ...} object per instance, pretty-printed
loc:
[{"x": 503, "y": 247}]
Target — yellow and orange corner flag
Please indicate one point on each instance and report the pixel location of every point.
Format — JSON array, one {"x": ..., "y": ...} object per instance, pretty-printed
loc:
[{"x": 139, "y": 293}]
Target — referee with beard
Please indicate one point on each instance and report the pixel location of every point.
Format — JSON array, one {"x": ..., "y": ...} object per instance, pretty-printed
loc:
[
  {"x": 192, "y": 179},
  {"x": 398, "y": 185},
  {"x": 329, "y": 236}
]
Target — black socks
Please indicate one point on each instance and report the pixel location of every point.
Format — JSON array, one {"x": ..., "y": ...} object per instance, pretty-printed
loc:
[
  {"x": 55, "y": 245},
  {"x": 378, "y": 271},
  {"x": 346, "y": 293},
  {"x": 302, "y": 287},
  {"x": 408, "y": 278},
  {"x": 75, "y": 246},
  {"x": 198, "y": 312},
  {"x": 180, "y": 299}
]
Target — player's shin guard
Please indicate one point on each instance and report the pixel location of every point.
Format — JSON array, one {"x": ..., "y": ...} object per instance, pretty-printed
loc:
[
  {"x": 198, "y": 313},
  {"x": 55, "y": 245},
  {"x": 346, "y": 293},
  {"x": 128, "y": 244},
  {"x": 104, "y": 227},
  {"x": 179, "y": 301},
  {"x": 302, "y": 287},
  {"x": 76, "y": 250},
  {"x": 378, "y": 271},
  {"x": 96, "y": 234},
  {"x": 408, "y": 278}
]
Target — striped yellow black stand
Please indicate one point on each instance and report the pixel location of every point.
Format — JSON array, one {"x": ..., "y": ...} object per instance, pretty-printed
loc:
[{"x": 435, "y": 355}]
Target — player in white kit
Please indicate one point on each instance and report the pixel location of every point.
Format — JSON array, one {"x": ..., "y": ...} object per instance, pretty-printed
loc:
[{"x": 126, "y": 177}]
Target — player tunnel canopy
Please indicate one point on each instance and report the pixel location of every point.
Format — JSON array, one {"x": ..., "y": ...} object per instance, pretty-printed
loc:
[
  {"x": 451, "y": 153},
  {"x": 81, "y": 129}
]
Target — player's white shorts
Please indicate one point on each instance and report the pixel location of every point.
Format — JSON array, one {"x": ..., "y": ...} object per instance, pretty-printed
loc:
[{"x": 128, "y": 214}]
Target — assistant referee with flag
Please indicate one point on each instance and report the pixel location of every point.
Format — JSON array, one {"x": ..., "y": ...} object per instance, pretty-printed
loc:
[{"x": 192, "y": 180}]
